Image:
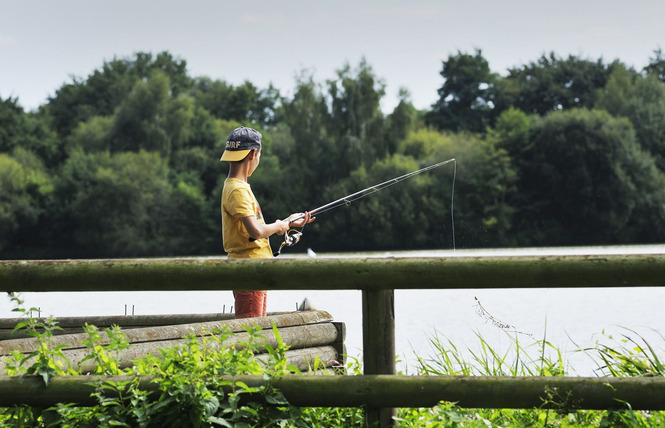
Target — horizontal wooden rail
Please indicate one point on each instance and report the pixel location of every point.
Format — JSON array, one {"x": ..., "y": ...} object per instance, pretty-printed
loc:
[
  {"x": 379, "y": 390},
  {"x": 631, "y": 270},
  {"x": 386, "y": 390}
]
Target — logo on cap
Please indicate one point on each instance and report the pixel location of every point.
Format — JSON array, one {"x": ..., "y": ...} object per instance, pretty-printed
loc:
[{"x": 240, "y": 142}]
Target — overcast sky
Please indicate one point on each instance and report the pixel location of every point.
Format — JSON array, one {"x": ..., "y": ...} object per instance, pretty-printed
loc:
[{"x": 44, "y": 43}]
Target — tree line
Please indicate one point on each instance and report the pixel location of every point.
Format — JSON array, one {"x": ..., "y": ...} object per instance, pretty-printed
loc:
[{"x": 125, "y": 162}]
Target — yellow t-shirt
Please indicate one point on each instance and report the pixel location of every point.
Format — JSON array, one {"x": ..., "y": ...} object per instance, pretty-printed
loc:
[{"x": 239, "y": 202}]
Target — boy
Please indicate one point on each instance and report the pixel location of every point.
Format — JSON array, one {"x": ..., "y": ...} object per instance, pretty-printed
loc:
[{"x": 244, "y": 231}]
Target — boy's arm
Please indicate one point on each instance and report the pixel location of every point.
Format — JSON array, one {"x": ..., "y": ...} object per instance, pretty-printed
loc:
[{"x": 258, "y": 230}]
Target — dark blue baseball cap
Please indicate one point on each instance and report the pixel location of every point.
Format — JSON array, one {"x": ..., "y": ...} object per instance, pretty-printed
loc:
[{"x": 240, "y": 142}]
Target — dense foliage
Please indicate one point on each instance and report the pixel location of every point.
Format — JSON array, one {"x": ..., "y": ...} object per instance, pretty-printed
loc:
[
  {"x": 192, "y": 392},
  {"x": 124, "y": 162}
]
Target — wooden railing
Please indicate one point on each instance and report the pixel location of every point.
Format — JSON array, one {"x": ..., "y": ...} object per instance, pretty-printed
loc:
[{"x": 377, "y": 278}]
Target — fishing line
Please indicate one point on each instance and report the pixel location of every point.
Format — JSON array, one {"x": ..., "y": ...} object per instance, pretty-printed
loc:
[{"x": 452, "y": 203}]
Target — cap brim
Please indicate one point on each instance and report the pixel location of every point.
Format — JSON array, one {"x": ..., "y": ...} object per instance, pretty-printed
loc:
[{"x": 233, "y": 156}]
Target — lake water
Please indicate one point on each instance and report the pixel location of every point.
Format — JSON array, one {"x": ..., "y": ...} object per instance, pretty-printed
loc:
[{"x": 570, "y": 319}]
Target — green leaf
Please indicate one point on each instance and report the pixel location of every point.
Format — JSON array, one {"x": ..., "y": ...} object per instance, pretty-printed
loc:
[{"x": 219, "y": 421}]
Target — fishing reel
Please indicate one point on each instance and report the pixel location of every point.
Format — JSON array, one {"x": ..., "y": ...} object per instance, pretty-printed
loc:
[{"x": 291, "y": 238}]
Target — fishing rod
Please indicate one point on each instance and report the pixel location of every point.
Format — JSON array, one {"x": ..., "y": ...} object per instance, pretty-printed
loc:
[{"x": 292, "y": 237}]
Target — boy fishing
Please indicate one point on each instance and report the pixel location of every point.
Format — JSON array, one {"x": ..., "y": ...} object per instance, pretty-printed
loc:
[{"x": 244, "y": 231}]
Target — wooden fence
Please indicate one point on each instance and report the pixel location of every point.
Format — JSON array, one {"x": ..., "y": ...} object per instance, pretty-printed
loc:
[{"x": 380, "y": 389}]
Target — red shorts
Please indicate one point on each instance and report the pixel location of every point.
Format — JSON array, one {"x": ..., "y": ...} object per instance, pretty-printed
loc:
[{"x": 250, "y": 304}]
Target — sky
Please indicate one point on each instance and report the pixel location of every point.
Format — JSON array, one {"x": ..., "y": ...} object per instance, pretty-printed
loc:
[{"x": 47, "y": 43}]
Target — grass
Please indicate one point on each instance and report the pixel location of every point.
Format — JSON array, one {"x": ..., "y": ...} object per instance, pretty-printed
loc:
[
  {"x": 518, "y": 360},
  {"x": 626, "y": 355},
  {"x": 190, "y": 396}
]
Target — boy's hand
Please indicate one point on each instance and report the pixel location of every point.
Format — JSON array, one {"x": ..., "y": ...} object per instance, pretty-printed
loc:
[
  {"x": 282, "y": 227},
  {"x": 300, "y": 219}
]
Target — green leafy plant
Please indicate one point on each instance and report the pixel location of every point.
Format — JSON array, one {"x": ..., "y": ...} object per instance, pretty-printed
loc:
[
  {"x": 194, "y": 384},
  {"x": 45, "y": 361},
  {"x": 194, "y": 381},
  {"x": 104, "y": 357}
]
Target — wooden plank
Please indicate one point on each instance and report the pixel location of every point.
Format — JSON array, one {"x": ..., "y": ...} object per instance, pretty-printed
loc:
[
  {"x": 305, "y": 359},
  {"x": 296, "y": 337},
  {"x": 74, "y": 325},
  {"x": 126, "y": 321},
  {"x": 150, "y": 334},
  {"x": 457, "y": 272},
  {"x": 561, "y": 393}
]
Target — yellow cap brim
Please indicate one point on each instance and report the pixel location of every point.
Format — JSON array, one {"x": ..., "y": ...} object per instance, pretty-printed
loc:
[{"x": 233, "y": 156}]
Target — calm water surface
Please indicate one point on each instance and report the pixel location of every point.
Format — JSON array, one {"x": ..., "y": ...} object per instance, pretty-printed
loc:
[{"x": 570, "y": 319}]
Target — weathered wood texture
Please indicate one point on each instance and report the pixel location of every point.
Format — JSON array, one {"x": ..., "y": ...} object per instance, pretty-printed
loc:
[
  {"x": 127, "y": 321},
  {"x": 555, "y": 271},
  {"x": 308, "y": 334},
  {"x": 379, "y": 346},
  {"x": 160, "y": 333},
  {"x": 72, "y": 325},
  {"x": 373, "y": 275},
  {"x": 566, "y": 393}
]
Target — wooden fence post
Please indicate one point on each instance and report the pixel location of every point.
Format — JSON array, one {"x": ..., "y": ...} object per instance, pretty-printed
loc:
[{"x": 379, "y": 346}]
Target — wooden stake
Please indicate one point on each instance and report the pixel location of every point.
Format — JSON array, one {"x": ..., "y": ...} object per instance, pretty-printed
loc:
[{"x": 379, "y": 347}]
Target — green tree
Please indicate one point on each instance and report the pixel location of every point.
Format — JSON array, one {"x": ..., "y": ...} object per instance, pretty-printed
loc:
[
  {"x": 553, "y": 83},
  {"x": 105, "y": 89},
  {"x": 583, "y": 180},
  {"x": 180, "y": 121},
  {"x": 113, "y": 205},
  {"x": 140, "y": 122},
  {"x": 25, "y": 191},
  {"x": 12, "y": 123},
  {"x": 403, "y": 119},
  {"x": 468, "y": 96},
  {"x": 356, "y": 121},
  {"x": 416, "y": 213},
  {"x": 388, "y": 220},
  {"x": 245, "y": 103},
  {"x": 656, "y": 65},
  {"x": 484, "y": 184},
  {"x": 306, "y": 114},
  {"x": 642, "y": 101},
  {"x": 29, "y": 131},
  {"x": 303, "y": 143},
  {"x": 189, "y": 222},
  {"x": 197, "y": 140},
  {"x": 93, "y": 135}
]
